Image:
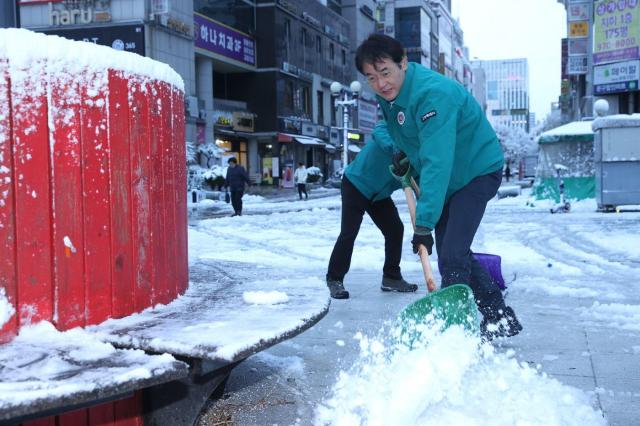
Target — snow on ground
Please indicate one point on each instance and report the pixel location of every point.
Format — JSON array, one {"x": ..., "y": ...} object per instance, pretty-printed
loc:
[{"x": 582, "y": 254}]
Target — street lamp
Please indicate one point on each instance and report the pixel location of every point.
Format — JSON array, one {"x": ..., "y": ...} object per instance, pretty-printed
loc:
[{"x": 349, "y": 100}]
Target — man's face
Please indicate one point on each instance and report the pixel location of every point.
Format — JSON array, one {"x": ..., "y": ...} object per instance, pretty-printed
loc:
[{"x": 386, "y": 77}]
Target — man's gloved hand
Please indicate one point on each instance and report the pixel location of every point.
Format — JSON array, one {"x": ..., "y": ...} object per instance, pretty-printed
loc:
[
  {"x": 422, "y": 236},
  {"x": 401, "y": 169}
]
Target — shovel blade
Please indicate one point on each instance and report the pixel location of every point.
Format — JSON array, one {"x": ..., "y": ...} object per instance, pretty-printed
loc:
[{"x": 453, "y": 305}]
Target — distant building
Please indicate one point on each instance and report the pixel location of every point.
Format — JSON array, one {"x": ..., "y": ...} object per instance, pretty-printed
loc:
[
  {"x": 507, "y": 91},
  {"x": 479, "y": 87}
]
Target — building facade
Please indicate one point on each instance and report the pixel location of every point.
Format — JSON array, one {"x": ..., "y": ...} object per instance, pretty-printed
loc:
[
  {"x": 159, "y": 30},
  {"x": 507, "y": 91},
  {"x": 602, "y": 57}
]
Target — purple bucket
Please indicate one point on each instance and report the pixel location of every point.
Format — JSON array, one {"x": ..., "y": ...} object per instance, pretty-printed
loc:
[{"x": 492, "y": 264}]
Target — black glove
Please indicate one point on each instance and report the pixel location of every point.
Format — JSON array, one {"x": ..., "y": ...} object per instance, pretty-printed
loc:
[
  {"x": 422, "y": 237},
  {"x": 400, "y": 164}
]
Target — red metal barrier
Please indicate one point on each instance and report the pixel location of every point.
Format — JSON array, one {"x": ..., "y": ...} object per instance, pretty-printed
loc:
[{"x": 93, "y": 218}]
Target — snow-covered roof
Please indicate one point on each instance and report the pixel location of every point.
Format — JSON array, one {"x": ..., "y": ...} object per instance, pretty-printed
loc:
[
  {"x": 24, "y": 48},
  {"x": 577, "y": 131},
  {"x": 618, "y": 120}
]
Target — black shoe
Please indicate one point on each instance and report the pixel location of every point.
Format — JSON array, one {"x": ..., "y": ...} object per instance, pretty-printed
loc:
[
  {"x": 336, "y": 288},
  {"x": 505, "y": 324},
  {"x": 391, "y": 284}
]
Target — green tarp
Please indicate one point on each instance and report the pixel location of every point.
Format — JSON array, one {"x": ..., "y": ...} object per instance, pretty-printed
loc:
[{"x": 575, "y": 188}]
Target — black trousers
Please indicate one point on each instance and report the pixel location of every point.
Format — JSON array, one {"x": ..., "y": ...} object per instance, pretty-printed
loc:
[
  {"x": 384, "y": 214},
  {"x": 236, "y": 200},
  {"x": 302, "y": 188},
  {"x": 455, "y": 231}
]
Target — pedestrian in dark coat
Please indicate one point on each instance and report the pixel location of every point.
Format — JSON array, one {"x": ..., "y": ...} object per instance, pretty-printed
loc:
[{"x": 236, "y": 178}]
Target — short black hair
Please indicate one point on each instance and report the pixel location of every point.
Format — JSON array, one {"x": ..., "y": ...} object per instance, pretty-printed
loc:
[
  {"x": 376, "y": 48},
  {"x": 232, "y": 160},
  {"x": 301, "y": 164}
]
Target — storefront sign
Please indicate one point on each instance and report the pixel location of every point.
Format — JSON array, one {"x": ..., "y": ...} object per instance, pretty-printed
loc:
[
  {"x": 617, "y": 77},
  {"x": 578, "y": 46},
  {"x": 616, "y": 31},
  {"x": 577, "y": 65},
  {"x": 243, "y": 121},
  {"x": 578, "y": 29},
  {"x": 579, "y": 12},
  {"x": 129, "y": 38},
  {"x": 76, "y": 13},
  {"x": 218, "y": 38}
]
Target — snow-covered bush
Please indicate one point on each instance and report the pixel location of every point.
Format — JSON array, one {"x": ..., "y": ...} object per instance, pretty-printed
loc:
[{"x": 314, "y": 175}]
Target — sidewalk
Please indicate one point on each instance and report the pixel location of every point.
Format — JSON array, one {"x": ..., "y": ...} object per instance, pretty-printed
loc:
[
  {"x": 258, "y": 200},
  {"x": 285, "y": 383},
  {"x": 575, "y": 295}
]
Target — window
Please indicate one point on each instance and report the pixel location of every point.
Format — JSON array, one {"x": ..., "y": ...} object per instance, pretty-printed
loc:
[
  {"x": 287, "y": 29},
  {"x": 287, "y": 99},
  {"x": 492, "y": 90},
  {"x": 320, "y": 96},
  {"x": 303, "y": 36},
  {"x": 306, "y": 101},
  {"x": 344, "y": 57},
  {"x": 319, "y": 44},
  {"x": 332, "y": 53}
]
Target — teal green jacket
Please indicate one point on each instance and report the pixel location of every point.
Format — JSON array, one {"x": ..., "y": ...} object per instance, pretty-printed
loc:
[
  {"x": 445, "y": 134},
  {"x": 369, "y": 172}
]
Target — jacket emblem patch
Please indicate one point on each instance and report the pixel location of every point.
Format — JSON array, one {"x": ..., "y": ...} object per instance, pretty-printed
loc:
[
  {"x": 401, "y": 118},
  {"x": 428, "y": 115}
]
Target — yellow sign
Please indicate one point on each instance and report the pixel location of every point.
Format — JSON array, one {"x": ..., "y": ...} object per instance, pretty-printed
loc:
[{"x": 578, "y": 29}]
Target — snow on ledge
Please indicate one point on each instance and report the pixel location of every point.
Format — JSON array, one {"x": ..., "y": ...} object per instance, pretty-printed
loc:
[
  {"x": 43, "y": 368},
  {"x": 212, "y": 320},
  {"x": 24, "y": 48},
  {"x": 618, "y": 120}
]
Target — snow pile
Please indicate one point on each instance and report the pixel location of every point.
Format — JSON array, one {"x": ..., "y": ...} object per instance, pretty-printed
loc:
[
  {"x": 265, "y": 297},
  {"x": 617, "y": 315},
  {"x": 449, "y": 378},
  {"x": 6, "y": 308}
]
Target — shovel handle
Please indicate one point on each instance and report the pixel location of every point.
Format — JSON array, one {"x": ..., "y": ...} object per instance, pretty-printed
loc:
[{"x": 422, "y": 250}]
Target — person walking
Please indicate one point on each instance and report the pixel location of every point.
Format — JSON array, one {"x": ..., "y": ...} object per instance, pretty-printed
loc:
[
  {"x": 300, "y": 179},
  {"x": 236, "y": 179},
  {"x": 367, "y": 186},
  {"x": 507, "y": 172},
  {"x": 444, "y": 133}
]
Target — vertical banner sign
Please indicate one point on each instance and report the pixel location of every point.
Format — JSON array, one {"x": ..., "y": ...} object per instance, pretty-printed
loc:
[{"x": 616, "y": 31}]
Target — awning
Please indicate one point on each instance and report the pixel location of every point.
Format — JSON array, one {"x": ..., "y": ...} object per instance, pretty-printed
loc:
[
  {"x": 354, "y": 148},
  {"x": 329, "y": 148},
  {"x": 305, "y": 140}
]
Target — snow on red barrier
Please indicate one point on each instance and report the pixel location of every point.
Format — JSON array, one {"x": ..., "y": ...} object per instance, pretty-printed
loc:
[{"x": 92, "y": 182}]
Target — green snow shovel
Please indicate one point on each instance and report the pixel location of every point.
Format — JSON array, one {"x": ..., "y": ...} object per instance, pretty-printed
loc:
[{"x": 453, "y": 305}]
